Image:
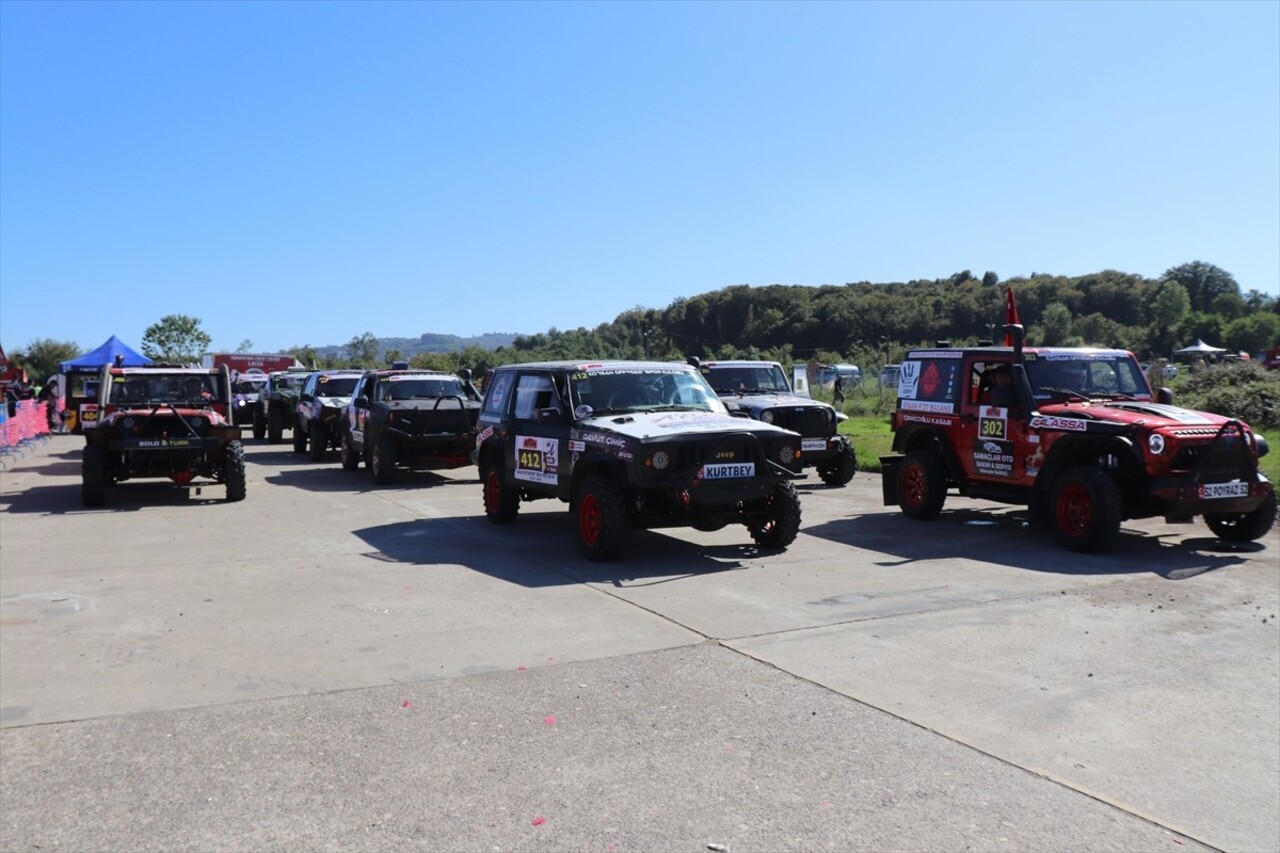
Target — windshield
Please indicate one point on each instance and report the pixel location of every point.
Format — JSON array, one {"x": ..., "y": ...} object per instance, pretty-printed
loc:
[
  {"x": 336, "y": 386},
  {"x": 1087, "y": 375},
  {"x": 247, "y": 386},
  {"x": 132, "y": 390},
  {"x": 420, "y": 389},
  {"x": 748, "y": 379},
  {"x": 641, "y": 389}
]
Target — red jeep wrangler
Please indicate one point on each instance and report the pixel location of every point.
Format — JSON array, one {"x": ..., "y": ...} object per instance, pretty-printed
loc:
[
  {"x": 1076, "y": 435},
  {"x": 168, "y": 422}
]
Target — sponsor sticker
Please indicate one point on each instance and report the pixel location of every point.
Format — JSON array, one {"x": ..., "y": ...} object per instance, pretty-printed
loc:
[
  {"x": 813, "y": 444},
  {"x": 1063, "y": 424},
  {"x": 992, "y": 458},
  {"x": 926, "y": 419},
  {"x": 927, "y": 406}
]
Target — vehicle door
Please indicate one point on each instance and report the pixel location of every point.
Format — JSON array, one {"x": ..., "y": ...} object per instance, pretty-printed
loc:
[
  {"x": 356, "y": 414},
  {"x": 302, "y": 411},
  {"x": 992, "y": 441},
  {"x": 539, "y": 432}
]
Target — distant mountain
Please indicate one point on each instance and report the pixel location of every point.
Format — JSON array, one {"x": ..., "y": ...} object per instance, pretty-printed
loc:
[{"x": 430, "y": 342}]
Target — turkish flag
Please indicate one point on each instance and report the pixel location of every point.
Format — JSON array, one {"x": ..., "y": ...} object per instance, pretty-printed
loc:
[{"x": 1010, "y": 315}]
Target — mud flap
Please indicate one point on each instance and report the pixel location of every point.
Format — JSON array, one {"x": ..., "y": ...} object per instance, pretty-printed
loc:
[{"x": 889, "y": 478}]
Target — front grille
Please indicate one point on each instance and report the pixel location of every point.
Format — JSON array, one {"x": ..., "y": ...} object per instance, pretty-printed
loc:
[
  {"x": 165, "y": 426},
  {"x": 689, "y": 456},
  {"x": 445, "y": 420},
  {"x": 809, "y": 421},
  {"x": 1226, "y": 458}
]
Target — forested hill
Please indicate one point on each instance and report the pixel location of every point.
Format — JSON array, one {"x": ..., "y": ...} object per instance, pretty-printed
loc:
[{"x": 873, "y": 323}]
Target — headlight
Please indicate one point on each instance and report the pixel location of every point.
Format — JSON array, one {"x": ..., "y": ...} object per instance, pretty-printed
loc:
[
  {"x": 1155, "y": 443},
  {"x": 767, "y": 416},
  {"x": 787, "y": 454},
  {"x": 127, "y": 423},
  {"x": 197, "y": 423},
  {"x": 660, "y": 460}
]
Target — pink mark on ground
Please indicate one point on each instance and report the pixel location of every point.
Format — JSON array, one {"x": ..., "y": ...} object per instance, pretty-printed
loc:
[
  {"x": 406, "y": 704},
  {"x": 538, "y": 821},
  {"x": 550, "y": 719},
  {"x": 522, "y": 668}
]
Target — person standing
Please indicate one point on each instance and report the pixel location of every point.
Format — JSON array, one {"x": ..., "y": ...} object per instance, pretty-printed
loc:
[{"x": 838, "y": 388}]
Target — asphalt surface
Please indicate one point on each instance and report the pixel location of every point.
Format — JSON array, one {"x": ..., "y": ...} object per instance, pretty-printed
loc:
[{"x": 332, "y": 665}]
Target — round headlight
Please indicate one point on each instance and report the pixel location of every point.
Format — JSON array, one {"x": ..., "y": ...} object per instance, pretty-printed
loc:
[
  {"x": 787, "y": 454},
  {"x": 1155, "y": 443},
  {"x": 767, "y": 416},
  {"x": 197, "y": 422},
  {"x": 661, "y": 460},
  {"x": 127, "y": 423}
]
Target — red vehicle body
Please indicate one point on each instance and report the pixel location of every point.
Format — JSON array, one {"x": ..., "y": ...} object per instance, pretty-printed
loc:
[
  {"x": 170, "y": 423},
  {"x": 1080, "y": 438}
]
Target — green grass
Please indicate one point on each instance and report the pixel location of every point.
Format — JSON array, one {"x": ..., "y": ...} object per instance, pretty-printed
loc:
[{"x": 872, "y": 439}]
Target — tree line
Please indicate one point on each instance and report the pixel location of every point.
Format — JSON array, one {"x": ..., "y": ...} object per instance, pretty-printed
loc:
[{"x": 861, "y": 323}]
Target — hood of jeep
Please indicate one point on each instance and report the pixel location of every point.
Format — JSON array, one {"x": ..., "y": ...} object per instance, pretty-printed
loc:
[
  {"x": 762, "y": 401},
  {"x": 662, "y": 426},
  {"x": 1137, "y": 413}
]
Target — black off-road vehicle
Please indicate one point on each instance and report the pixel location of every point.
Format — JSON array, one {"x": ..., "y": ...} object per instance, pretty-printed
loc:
[
  {"x": 1076, "y": 435},
  {"x": 420, "y": 420},
  {"x": 761, "y": 389},
  {"x": 317, "y": 418},
  {"x": 632, "y": 445},
  {"x": 171, "y": 423},
  {"x": 276, "y": 403}
]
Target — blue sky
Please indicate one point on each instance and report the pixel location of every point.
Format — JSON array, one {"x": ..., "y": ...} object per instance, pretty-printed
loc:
[{"x": 301, "y": 173}]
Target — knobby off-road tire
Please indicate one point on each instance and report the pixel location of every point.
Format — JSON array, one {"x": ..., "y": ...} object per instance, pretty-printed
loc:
[
  {"x": 233, "y": 471},
  {"x": 382, "y": 461},
  {"x": 602, "y": 520},
  {"x": 319, "y": 439},
  {"x": 783, "y": 523},
  {"x": 839, "y": 471},
  {"x": 299, "y": 437},
  {"x": 349, "y": 456},
  {"x": 259, "y": 424},
  {"x": 922, "y": 485},
  {"x": 501, "y": 502},
  {"x": 93, "y": 477},
  {"x": 1085, "y": 508},
  {"x": 1244, "y": 526},
  {"x": 275, "y": 425}
]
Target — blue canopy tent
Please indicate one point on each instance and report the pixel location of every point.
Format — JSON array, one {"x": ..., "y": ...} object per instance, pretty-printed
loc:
[
  {"x": 95, "y": 360},
  {"x": 80, "y": 380}
]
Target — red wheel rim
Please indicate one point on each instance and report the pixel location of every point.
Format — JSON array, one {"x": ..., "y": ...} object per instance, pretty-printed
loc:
[
  {"x": 914, "y": 485},
  {"x": 1075, "y": 509},
  {"x": 492, "y": 490},
  {"x": 589, "y": 519}
]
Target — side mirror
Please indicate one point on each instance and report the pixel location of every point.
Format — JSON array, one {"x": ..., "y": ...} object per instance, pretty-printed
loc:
[
  {"x": 551, "y": 416},
  {"x": 361, "y": 402},
  {"x": 1164, "y": 395}
]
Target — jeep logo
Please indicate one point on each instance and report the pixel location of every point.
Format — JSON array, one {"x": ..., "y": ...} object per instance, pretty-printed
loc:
[{"x": 725, "y": 454}]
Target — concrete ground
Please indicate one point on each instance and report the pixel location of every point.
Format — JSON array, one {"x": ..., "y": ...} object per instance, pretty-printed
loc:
[{"x": 333, "y": 665}]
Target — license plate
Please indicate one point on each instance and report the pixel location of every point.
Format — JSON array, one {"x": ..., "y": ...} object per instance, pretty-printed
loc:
[
  {"x": 813, "y": 444},
  {"x": 730, "y": 471},
  {"x": 1209, "y": 491}
]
